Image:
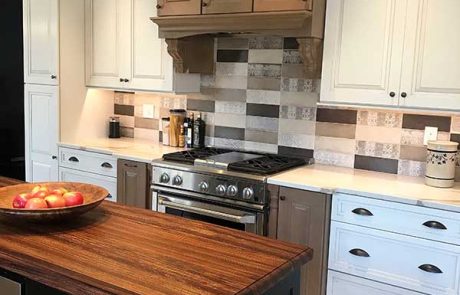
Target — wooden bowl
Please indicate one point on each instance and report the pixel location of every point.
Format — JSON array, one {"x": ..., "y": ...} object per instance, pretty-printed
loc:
[{"x": 93, "y": 196}]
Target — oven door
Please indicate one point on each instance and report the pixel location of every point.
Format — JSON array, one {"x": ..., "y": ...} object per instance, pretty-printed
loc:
[{"x": 223, "y": 215}]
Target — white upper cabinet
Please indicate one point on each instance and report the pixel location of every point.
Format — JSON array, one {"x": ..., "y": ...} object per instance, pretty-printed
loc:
[
  {"x": 431, "y": 65},
  {"x": 392, "y": 53},
  {"x": 41, "y": 42},
  {"x": 41, "y": 132},
  {"x": 123, "y": 50}
]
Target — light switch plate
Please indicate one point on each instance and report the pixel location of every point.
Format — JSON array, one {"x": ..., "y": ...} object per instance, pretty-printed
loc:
[
  {"x": 431, "y": 133},
  {"x": 148, "y": 111}
]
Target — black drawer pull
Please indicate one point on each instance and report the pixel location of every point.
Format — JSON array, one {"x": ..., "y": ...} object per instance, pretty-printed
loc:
[
  {"x": 130, "y": 165},
  {"x": 435, "y": 225},
  {"x": 74, "y": 159},
  {"x": 362, "y": 212},
  {"x": 106, "y": 165},
  {"x": 359, "y": 252},
  {"x": 430, "y": 268}
]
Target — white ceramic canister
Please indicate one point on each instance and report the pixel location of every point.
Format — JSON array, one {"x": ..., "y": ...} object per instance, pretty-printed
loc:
[{"x": 440, "y": 163}]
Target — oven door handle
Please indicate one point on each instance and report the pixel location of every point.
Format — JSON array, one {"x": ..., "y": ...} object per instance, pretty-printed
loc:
[{"x": 245, "y": 219}]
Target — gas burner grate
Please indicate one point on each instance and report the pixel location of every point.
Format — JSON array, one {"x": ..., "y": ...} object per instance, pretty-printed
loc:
[
  {"x": 268, "y": 164},
  {"x": 189, "y": 156}
]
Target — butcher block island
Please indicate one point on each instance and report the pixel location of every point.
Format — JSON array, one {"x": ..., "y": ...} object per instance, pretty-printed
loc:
[{"x": 116, "y": 249}]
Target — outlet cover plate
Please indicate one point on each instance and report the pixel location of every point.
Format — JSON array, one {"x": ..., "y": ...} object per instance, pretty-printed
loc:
[
  {"x": 431, "y": 133},
  {"x": 148, "y": 111}
]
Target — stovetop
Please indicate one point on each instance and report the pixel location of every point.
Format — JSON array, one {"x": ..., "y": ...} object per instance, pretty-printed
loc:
[{"x": 238, "y": 161}]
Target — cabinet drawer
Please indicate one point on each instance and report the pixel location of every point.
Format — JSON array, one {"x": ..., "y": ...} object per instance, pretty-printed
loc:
[
  {"x": 109, "y": 183},
  {"x": 416, "y": 264},
  {"x": 410, "y": 220},
  {"x": 343, "y": 284},
  {"x": 88, "y": 162}
]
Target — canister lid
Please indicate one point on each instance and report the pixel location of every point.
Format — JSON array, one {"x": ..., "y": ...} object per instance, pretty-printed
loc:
[
  {"x": 177, "y": 111},
  {"x": 442, "y": 145}
]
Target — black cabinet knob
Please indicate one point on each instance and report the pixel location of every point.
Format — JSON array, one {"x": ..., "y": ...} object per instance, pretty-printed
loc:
[
  {"x": 159, "y": 6},
  {"x": 126, "y": 80},
  {"x": 403, "y": 94},
  {"x": 54, "y": 77},
  {"x": 121, "y": 79},
  {"x": 54, "y": 157},
  {"x": 392, "y": 94},
  {"x": 205, "y": 4},
  {"x": 282, "y": 198}
]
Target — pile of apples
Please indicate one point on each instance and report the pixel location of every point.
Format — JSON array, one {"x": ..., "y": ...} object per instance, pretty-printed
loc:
[{"x": 42, "y": 198}]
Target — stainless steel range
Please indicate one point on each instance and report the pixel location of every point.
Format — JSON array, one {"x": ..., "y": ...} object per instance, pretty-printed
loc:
[{"x": 219, "y": 186}]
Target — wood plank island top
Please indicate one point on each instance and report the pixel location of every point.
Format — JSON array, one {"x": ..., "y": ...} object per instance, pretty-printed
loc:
[{"x": 122, "y": 250}]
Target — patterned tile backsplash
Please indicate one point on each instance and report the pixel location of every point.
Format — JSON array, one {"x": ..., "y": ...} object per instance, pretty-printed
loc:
[{"x": 259, "y": 99}]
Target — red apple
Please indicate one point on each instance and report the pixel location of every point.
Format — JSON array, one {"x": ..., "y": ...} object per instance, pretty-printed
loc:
[
  {"x": 40, "y": 194},
  {"x": 55, "y": 201},
  {"x": 73, "y": 199},
  {"x": 20, "y": 200},
  {"x": 36, "y": 203},
  {"x": 59, "y": 191},
  {"x": 38, "y": 188}
]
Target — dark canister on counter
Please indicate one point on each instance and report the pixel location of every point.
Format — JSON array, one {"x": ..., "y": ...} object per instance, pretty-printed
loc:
[
  {"x": 199, "y": 130},
  {"x": 114, "y": 127}
]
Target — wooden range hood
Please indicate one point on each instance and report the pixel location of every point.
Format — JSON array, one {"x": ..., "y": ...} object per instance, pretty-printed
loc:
[{"x": 190, "y": 38}]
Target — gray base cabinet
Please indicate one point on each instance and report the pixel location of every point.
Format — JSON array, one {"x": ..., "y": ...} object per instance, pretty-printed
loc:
[
  {"x": 303, "y": 218},
  {"x": 133, "y": 184}
]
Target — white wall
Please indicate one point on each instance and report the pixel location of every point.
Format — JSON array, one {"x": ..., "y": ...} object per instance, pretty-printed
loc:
[{"x": 84, "y": 112}]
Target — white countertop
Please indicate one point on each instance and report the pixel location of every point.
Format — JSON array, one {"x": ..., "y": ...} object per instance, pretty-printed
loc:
[
  {"x": 403, "y": 189},
  {"x": 125, "y": 148}
]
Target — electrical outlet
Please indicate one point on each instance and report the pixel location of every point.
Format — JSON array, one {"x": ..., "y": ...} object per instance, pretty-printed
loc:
[
  {"x": 431, "y": 133},
  {"x": 148, "y": 111}
]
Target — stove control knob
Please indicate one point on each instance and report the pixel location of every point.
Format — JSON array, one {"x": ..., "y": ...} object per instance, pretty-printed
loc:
[
  {"x": 177, "y": 180},
  {"x": 221, "y": 190},
  {"x": 232, "y": 191},
  {"x": 164, "y": 178},
  {"x": 248, "y": 193},
  {"x": 203, "y": 186}
]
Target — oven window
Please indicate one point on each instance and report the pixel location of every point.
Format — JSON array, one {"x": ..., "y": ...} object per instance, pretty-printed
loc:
[{"x": 204, "y": 218}]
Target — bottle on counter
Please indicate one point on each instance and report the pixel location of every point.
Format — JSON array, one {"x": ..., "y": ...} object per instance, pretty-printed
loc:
[
  {"x": 188, "y": 126},
  {"x": 199, "y": 130},
  {"x": 182, "y": 137}
]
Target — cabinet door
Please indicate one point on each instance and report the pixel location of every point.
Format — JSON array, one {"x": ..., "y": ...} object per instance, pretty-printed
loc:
[
  {"x": 41, "y": 132},
  {"x": 151, "y": 67},
  {"x": 303, "y": 218},
  {"x": 431, "y": 64},
  {"x": 109, "y": 183},
  {"x": 280, "y": 5},
  {"x": 363, "y": 51},
  {"x": 178, "y": 7},
  {"x": 226, "y": 6},
  {"x": 132, "y": 184},
  {"x": 41, "y": 41},
  {"x": 106, "y": 25}
]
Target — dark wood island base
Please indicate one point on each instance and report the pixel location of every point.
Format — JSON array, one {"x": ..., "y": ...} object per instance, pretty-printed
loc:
[{"x": 116, "y": 249}]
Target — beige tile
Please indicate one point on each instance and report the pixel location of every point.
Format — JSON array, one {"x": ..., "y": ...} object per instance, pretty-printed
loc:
[
  {"x": 127, "y": 121},
  {"x": 263, "y": 83},
  {"x": 455, "y": 125},
  {"x": 378, "y": 134},
  {"x": 233, "y": 82},
  {"x": 335, "y": 130},
  {"x": 230, "y": 120},
  {"x": 335, "y": 144},
  {"x": 261, "y": 147},
  {"x": 297, "y": 126},
  {"x": 304, "y": 99},
  {"x": 146, "y": 123},
  {"x": 413, "y": 153},
  {"x": 261, "y": 136},
  {"x": 293, "y": 71},
  {"x": 269, "y": 56},
  {"x": 146, "y": 133},
  {"x": 232, "y": 43}
]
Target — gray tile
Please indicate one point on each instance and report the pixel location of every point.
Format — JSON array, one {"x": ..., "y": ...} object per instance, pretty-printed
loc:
[
  {"x": 262, "y": 110},
  {"x": 292, "y": 57},
  {"x": 224, "y": 55},
  {"x": 411, "y": 168},
  {"x": 225, "y": 94},
  {"x": 334, "y": 158},
  {"x": 264, "y": 70},
  {"x": 261, "y": 136},
  {"x": 146, "y": 123},
  {"x": 296, "y": 140},
  {"x": 265, "y": 42},
  {"x": 336, "y": 130},
  {"x": 125, "y": 110},
  {"x": 228, "y": 143},
  {"x": 231, "y": 69},
  {"x": 377, "y": 118},
  {"x": 230, "y": 107},
  {"x": 262, "y": 123},
  {"x": 297, "y": 126},
  {"x": 264, "y": 83},
  {"x": 260, "y": 147},
  {"x": 295, "y": 152},
  {"x": 293, "y": 71},
  {"x": 208, "y": 80},
  {"x": 267, "y": 56},
  {"x": 298, "y": 85},
  {"x": 376, "y": 164},
  {"x": 233, "y": 82},
  {"x": 411, "y": 121},
  {"x": 263, "y": 96},
  {"x": 298, "y": 113},
  {"x": 200, "y": 105},
  {"x": 336, "y": 116},
  {"x": 413, "y": 153},
  {"x": 230, "y": 120},
  {"x": 232, "y": 43},
  {"x": 376, "y": 149},
  {"x": 302, "y": 99},
  {"x": 229, "y": 133},
  {"x": 127, "y": 132}
]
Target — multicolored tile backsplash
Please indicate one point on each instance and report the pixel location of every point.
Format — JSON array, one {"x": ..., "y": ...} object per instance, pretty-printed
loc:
[{"x": 260, "y": 100}]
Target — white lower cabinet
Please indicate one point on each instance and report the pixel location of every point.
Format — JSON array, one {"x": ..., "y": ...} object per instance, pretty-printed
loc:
[
  {"x": 343, "y": 284},
  {"x": 109, "y": 183}
]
